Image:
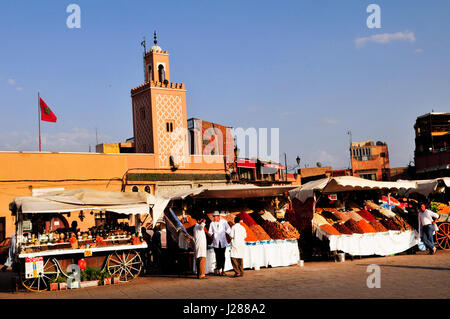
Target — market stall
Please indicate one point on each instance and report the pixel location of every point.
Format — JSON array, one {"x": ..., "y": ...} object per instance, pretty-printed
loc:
[
  {"x": 344, "y": 212},
  {"x": 268, "y": 243},
  {"x": 437, "y": 193},
  {"x": 47, "y": 246}
]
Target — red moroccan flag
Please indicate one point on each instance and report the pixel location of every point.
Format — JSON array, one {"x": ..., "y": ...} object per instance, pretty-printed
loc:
[{"x": 46, "y": 113}]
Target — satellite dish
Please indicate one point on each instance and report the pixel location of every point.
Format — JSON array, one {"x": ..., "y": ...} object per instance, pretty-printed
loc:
[{"x": 319, "y": 164}]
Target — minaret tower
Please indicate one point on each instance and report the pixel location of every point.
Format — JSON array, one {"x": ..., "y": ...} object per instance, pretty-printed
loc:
[{"x": 159, "y": 111}]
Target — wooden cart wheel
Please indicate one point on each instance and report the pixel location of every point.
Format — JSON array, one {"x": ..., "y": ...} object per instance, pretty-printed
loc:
[
  {"x": 126, "y": 265},
  {"x": 42, "y": 282},
  {"x": 443, "y": 236}
]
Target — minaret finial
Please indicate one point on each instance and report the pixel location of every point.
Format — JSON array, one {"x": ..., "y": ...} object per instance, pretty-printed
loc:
[{"x": 154, "y": 37}]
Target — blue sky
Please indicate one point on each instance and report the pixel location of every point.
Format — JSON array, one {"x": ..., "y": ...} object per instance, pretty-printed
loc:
[{"x": 293, "y": 65}]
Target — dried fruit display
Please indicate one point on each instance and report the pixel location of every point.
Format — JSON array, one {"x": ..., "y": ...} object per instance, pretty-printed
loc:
[
  {"x": 366, "y": 215},
  {"x": 340, "y": 227},
  {"x": 376, "y": 213},
  {"x": 389, "y": 224},
  {"x": 354, "y": 215},
  {"x": 342, "y": 215},
  {"x": 289, "y": 231},
  {"x": 319, "y": 220},
  {"x": 378, "y": 226},
  {"x": 273, "y": 229},
  {"x": 259, "y": 232},
  {"x": 329, "y": 216},
  {"x": 401, "y": 223},
  {"x": 366, "y": 227},
  {"x": 257, "y": 218},
  {"x": 247, "y": 219},
  {"x": 330, "y": 229},
  {"x": 353, "y": 226}
]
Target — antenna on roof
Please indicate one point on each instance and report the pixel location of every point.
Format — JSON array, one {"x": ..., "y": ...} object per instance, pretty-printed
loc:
[
  {"x": 143, "y": 43},
  {"x": 154, "y": 38}
]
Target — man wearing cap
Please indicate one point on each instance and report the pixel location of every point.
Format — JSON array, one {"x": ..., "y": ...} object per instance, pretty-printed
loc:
[
  {"x": 218, "y": 230},
  {"x": 237, "y": 251}
]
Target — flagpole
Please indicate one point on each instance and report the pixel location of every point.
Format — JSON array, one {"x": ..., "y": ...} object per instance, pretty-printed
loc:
[{"x": 39, "y": 119}]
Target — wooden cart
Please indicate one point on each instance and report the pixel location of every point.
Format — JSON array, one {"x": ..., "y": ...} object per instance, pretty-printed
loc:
[
  {"x": 443, "y": 234},
  {"x": 119, "y": 260}
]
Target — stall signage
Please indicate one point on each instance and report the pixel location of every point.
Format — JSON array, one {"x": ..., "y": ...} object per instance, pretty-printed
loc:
[
  {"x": 34, "y": 267},
  {"x": 332, "y": 197},
  {"x": 280, "y": 214},
  {"x": 87, "y": 253}
]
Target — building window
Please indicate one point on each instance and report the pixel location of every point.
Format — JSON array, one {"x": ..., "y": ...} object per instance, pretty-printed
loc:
[
  {"x": 142, "y": 111},
  {"x": 149, "y": 74},
  {"x": 161, "y": 73},
  {"x": 147, "y": 189},
  {"x": 169, "y": 126},
  {"x": 135, "y": 189}
]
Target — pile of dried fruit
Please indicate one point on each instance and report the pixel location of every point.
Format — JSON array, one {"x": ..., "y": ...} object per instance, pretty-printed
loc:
[
  {"x": 329, "y": 216},
  {"x": 389, "y": 224},
  {"x": 376, "y": 213},
  {"x": 378, "y": 226},
  {"x": 366, "y": 215},
  {"x": 340, "y": 227},
  {"x": 289, "y": 231},
  {"x": 341, "y": 215},
  {"x": 259, "y": 232},
  {"x": 354, "y": 215},
  {"x": 353, "y": 226},
  {"x": 401, "y": 223},
  {"x": 330, "y": 229},
  {"x": 319, "y": 220},
  {"x": 247, "y": 219},
  {"x": 366, "y": 227},
  {"x": 273, "y": 230}
]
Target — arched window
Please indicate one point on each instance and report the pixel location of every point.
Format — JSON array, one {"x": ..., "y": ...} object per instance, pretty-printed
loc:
[
  {"x": 148, "y": 189},
  {"x": 150, "y": 76},
  {"x": 135, "y": 189},
  {"x": 161, "y": 73}
]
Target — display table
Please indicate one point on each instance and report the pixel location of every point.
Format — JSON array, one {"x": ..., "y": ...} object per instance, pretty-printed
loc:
[
  {"x": 381, "y": 244},
  {"x": 274, "y": 253}
]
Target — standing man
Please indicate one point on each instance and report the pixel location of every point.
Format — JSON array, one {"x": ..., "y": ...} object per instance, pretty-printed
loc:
[
  {"x": 218, "y": 230},
  {"x": 237, "y": 251},
  {"x": 200, "y": 248},
  {"x": 426, "y": 226}
]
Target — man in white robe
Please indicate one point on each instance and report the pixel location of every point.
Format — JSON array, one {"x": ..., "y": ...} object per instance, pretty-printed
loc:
[
  {"x": 200, "y": 248},
  {"x": 237, "y": 250}
]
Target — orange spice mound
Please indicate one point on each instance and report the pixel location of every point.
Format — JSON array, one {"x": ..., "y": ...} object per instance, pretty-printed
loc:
[
  {"x": 366, "y": 227},
  {"x": 259, "y": 232},
  {"x": 250, "y": 234},
  {"x": 330, "y": 229}
]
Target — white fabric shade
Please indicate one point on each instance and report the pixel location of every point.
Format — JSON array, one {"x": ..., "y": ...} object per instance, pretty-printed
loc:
[
  {"x": 428, "y": 186},
  {"x": 81, "y": 199},
  {"x": 346, "y": 183}
]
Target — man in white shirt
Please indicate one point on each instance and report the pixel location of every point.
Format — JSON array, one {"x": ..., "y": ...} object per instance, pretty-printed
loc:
[
  {"x": 200, "y": 248},
  {"x": 426, "y": 225},
  {"x": 237, "y": 251},
  {"x": 218, "y": 230}
]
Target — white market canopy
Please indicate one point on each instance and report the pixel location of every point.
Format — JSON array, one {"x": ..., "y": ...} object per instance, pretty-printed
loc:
[
  {"x": 428, "y": 186},
  {"x": 232, "y": 191},
  {"x": 81, "y": 199},
  {"x": 346, "y": 183}
]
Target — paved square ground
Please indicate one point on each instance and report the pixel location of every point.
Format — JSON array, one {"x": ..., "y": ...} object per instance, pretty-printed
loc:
[{"x": 402, "y": 276}]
